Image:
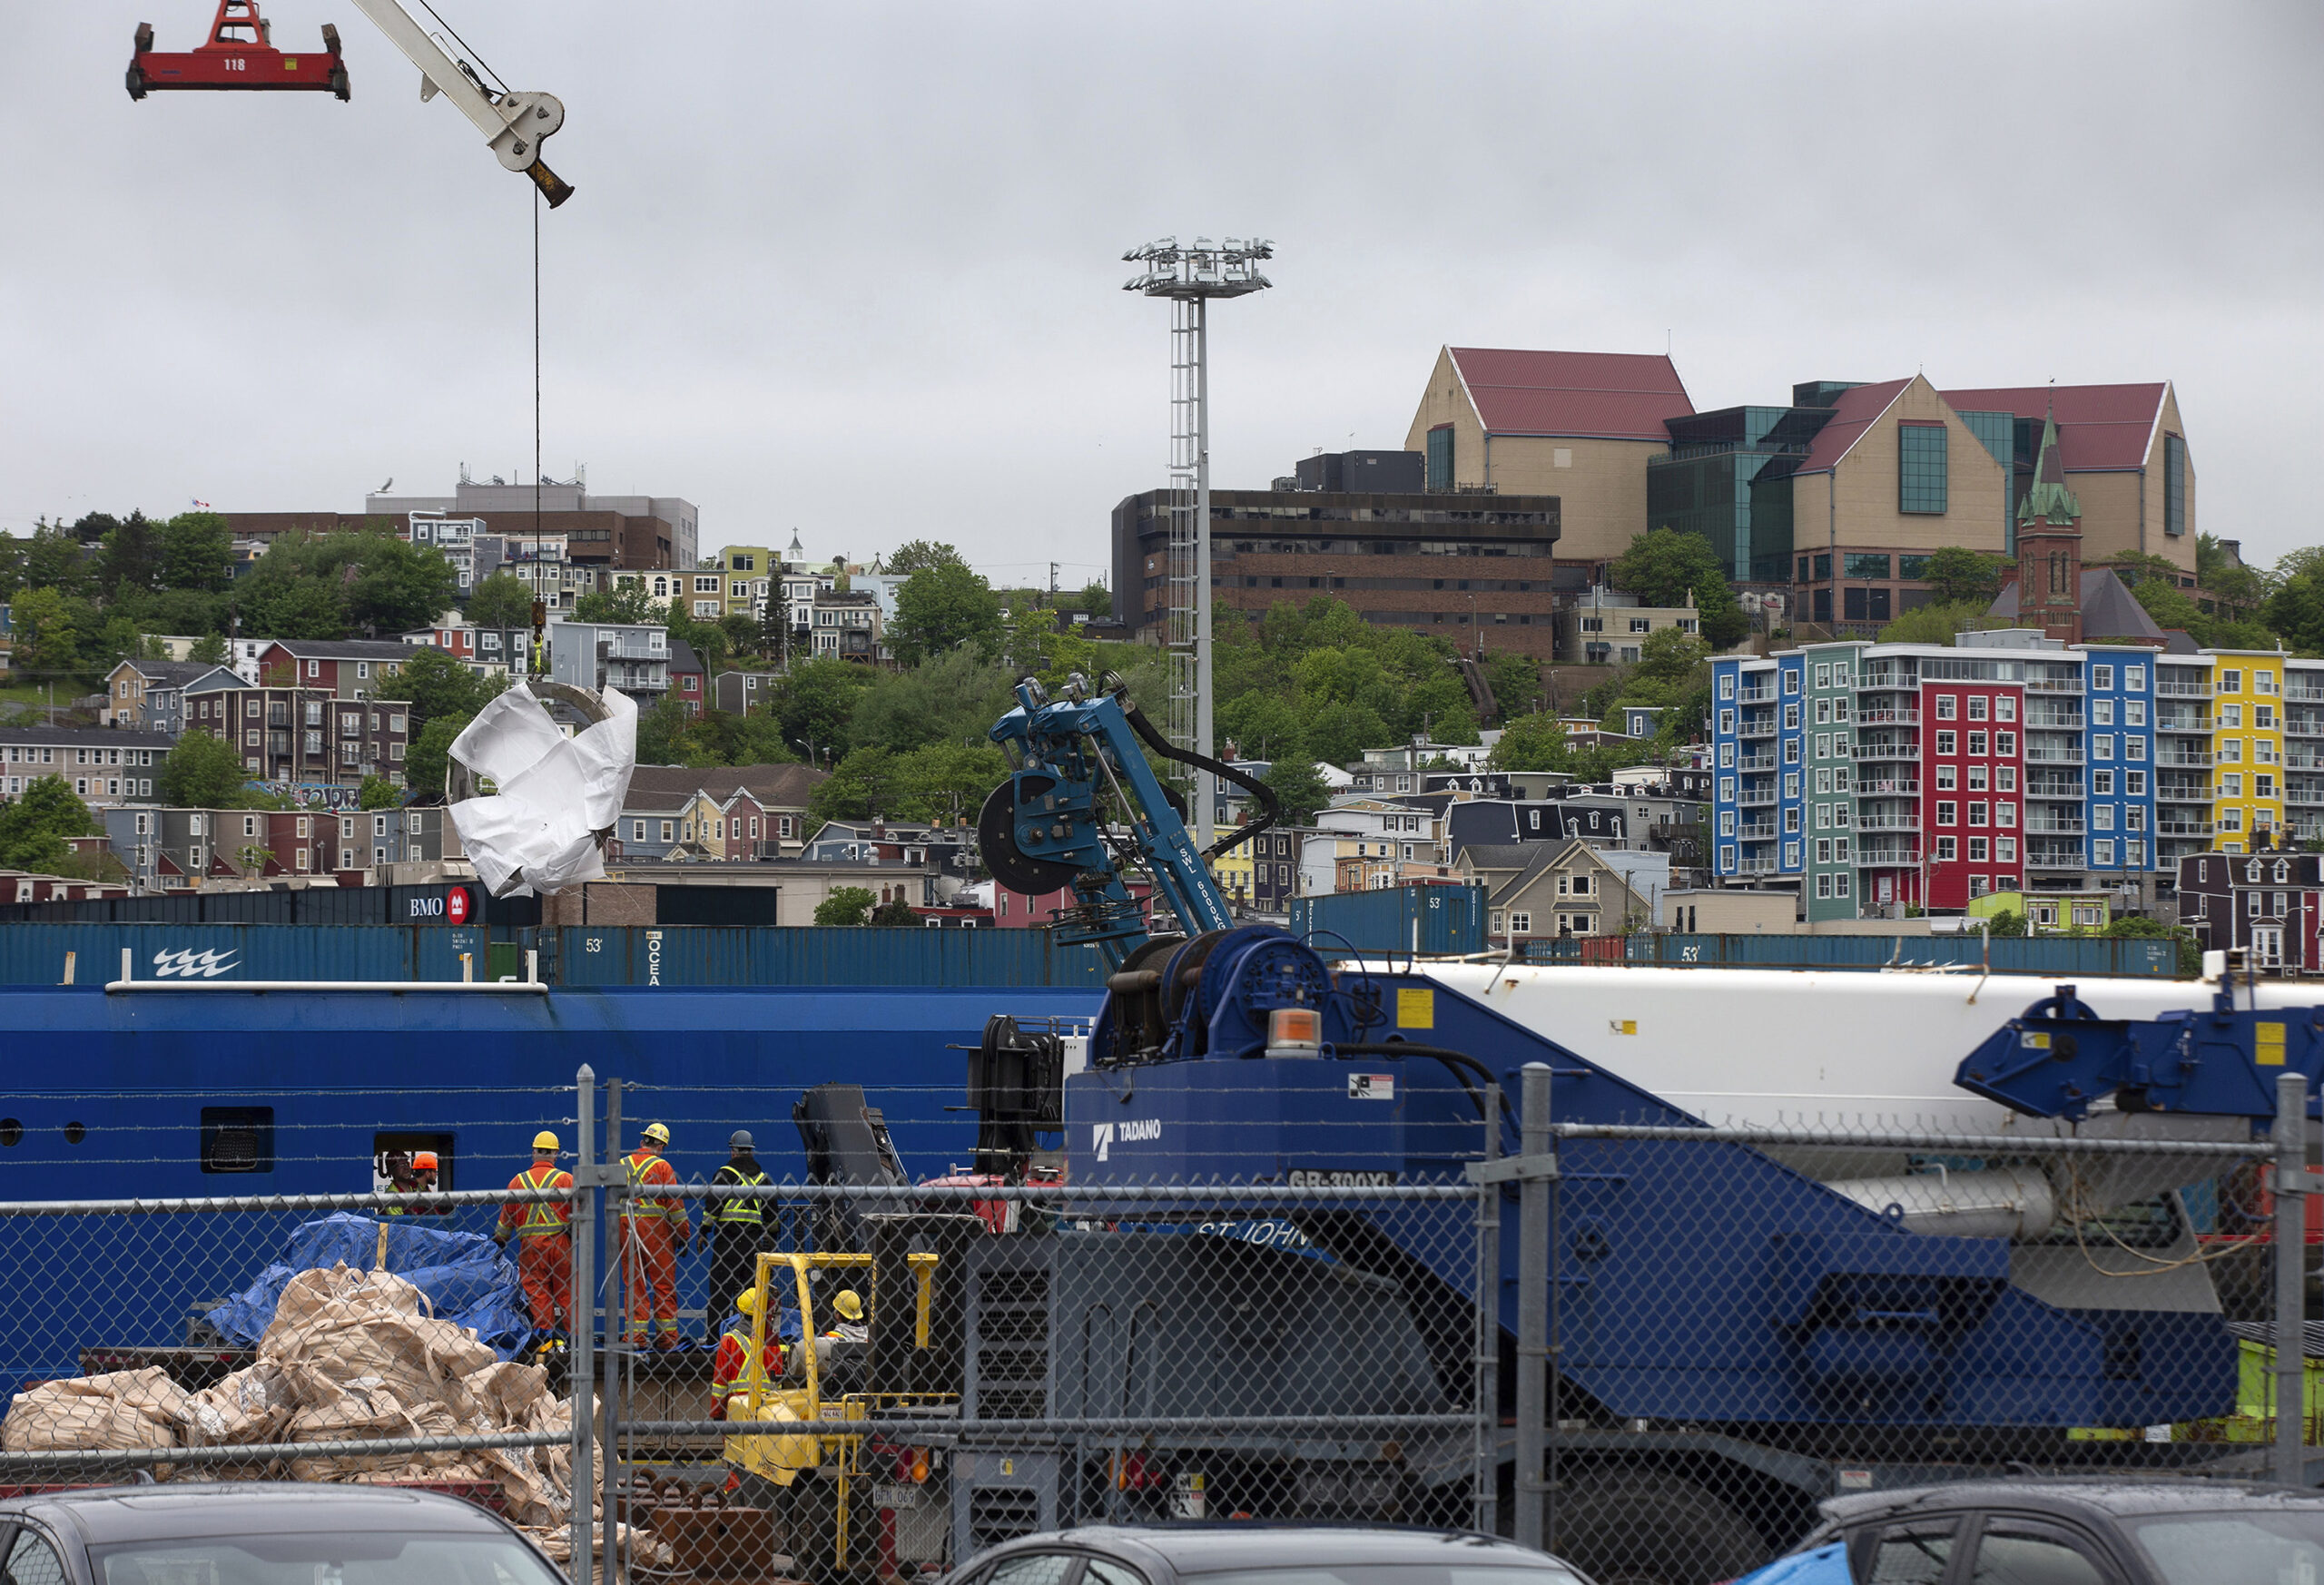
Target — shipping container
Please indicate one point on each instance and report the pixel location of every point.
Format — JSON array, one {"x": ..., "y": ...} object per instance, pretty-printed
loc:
[{"x": 1432, "y": 921}]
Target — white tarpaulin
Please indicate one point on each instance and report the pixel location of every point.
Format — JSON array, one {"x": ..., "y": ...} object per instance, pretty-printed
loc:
[{"x": 557, "y": 793}]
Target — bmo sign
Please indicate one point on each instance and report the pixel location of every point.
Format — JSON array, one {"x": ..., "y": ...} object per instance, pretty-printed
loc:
[{"x": 453, "y": 907}]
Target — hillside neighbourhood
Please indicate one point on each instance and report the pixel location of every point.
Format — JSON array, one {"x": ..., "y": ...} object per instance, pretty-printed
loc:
[{"x": 1882, "y": 654}]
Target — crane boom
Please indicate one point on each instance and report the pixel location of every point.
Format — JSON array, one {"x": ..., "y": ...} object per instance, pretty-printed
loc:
[{"x": 514, "y": 125}]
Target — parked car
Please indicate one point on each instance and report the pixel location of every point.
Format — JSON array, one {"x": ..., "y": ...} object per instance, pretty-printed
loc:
[
  {"x": 1243, "y": 1553},
  {"x": 261, "y": 1533},
  {"x": 2076, "y": 1531}
]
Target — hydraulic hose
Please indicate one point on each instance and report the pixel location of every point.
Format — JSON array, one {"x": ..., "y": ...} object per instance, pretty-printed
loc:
[
  {"x": 1458, "y": 1063},
  {"x": 1270, "y": 806}
]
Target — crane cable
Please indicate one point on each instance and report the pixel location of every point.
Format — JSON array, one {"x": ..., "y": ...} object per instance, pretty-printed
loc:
[{"x": 539, "y": 612}]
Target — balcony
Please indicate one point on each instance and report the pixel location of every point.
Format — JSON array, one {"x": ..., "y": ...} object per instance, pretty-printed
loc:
[
  {"x": 2053, "y": 787},
  {"x": 2053, "y": 685},
  {"x": 2183, "y": 828},
  {"x": 2171, "y": 688},
  {"x": 1755, "y": 797},
  {"x": 1756, "y": 867},
  {"x": 2192, "y": 759},
  {"x": 1888, "y": 718},
  {"x": 1874, "y": 822},
  {"x": 2313, "y": 694},
  {"x": 2305, "y": 797},
  {"x": 1765, "y": 728},
  {"x": 1751, "y": 763},
  {"x": 2303, "y": 760},
  {"x": 1758, "y": 831},
  {"x": 1874, "y": 679},
  {"x": 2303, "y": 725},
  {"x": 2173, "y": 721},
  {"x": 1759, "y": 696},
  {"x": 1888, "y": 751},
  {"x": 2056, "y": 721},
  {"x": 2046, "y": 755},
  {"x": 2055, "y": 856},
  {"x": 1889, "y": 787},
  {"x": 2057, "y": 826},
  {"x": 1887, "y": 857}
]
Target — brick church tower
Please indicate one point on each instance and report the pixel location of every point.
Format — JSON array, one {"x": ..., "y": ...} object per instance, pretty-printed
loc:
[{"x": 2049, "y": 546}]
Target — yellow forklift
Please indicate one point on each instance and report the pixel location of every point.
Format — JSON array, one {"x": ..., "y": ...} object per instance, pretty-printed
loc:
[{"x": 850, "y": 1502}]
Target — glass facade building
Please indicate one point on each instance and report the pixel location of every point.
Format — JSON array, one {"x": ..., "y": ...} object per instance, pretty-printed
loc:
[
  {"x": 1920, "y": 468},
  {"x": 1729, "y": 479}
]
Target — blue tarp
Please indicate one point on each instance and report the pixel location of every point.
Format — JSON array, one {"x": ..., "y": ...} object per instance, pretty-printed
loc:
[
  {"x": 467, "y": 1281},
  {"x": 1824, "y": 1566}
]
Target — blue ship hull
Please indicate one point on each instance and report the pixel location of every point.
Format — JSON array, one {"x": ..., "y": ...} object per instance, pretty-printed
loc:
[{"x": 105, "y": 1098}]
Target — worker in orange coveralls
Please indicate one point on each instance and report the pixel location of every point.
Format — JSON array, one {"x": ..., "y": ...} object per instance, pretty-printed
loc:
[
  {"x": 653, "y": 1230},
  {"x": 544, "y": 1233},
  {"x": 729, "y": 1375}
]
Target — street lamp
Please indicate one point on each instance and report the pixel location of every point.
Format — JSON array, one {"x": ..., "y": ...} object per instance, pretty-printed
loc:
[{"x": 1190, "y": 277}]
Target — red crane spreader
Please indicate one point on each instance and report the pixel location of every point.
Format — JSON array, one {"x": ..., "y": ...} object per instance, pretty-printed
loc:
[{"x": 241, "y": 55}]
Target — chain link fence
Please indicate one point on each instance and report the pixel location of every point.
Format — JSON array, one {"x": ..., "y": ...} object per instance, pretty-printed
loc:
[{"x": 1652, "y": 1349}]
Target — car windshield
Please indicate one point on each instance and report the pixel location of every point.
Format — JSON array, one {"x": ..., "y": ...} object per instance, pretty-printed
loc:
[
  {"x": 340, "y": 1558},
  {"x": 2202, "y": 1549},
  {"x": 1545, "y": 1572}
]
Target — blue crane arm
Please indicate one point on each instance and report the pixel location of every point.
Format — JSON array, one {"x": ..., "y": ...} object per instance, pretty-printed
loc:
[
  {"x": 2059, "y": 1058},
  {"x": 1043, "y": 824}
]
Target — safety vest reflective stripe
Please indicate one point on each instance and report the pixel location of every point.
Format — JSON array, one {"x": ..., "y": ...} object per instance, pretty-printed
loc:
[
  {"x": 542, "y": 1218},
  {"x": 641, "y": 1166},
  {"x": 740, "y": 1209}
]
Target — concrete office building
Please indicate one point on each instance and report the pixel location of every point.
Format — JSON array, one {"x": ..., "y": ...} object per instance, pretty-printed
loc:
[{"x": 1465, "y": 568}]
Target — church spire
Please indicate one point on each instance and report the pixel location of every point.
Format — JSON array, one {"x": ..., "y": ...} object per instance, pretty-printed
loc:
[{"x": 2049, "y": 498}]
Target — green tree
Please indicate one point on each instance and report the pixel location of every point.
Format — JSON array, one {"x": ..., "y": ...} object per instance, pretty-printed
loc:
[
  {"x": 706, "y": 639},
  {"x": 1664, "y": 567},
  {"x": 1515, "y": 681},
  {"x": 1530, "y": 742},
  {"x": 918, "y": 555},
  {"x": 743, "y": 633},
  {"x": 2169, "y": 605},
  {"x": 196, "y": 551},
  {"x": 627, "y": 605},
  {"x": 435, "y": 685},
  {"x": 502, "y": 600},
  {"x": 666, "y": 737},
  {"x": 942, "y": 781},
  {"x": 2005, "y": 923},
  {"x": 953, "y": 697},
  {"x": 55, "y": 559},
  {"x": 1299, "y": 788},
  {"x": 35, "y": 825},
  {"x": 1938, "y": 623},
  {"x": 202, "y": 772},
  {"x": 131, "y": 561},
  {"x": 379, "y": 793},
  {"x": 400, "y": 586},
  {"x": 285, "y": 603},
  {"x": 742, "y": 739},
  {"x": 941, "y": 607},
  {"x": 866, "y": 783},
  {"x": 1097, "y": 599},
  {"x": 847, "y": 907},
  {"x": 2140, "y": 926},
  {"x": 426, "y": 768},
  {"x": 1959, "y": 576},
  {"x": 1262, "y": 726},
  {"x": 1338, "y": 733},
  {"x": 48, "y": 635},
  {"x": 814, "y": 703},
  {"x": 209, "y": 650},
  {"x": 2296, "y": 610},
  {"x": 896, "y": 915},
  {"x": 93, "y": 527},
  {"x": 1670, "y": 655},
  {"x": 12, "y": 566}
]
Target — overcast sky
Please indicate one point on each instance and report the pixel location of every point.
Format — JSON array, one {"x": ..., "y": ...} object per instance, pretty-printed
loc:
[{"x": 854, "y": 270}]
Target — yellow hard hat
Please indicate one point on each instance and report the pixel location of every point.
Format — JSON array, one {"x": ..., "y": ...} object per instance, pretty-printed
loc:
[
  {"x": 544, "y": 1140},
  {"x": 657, "y": 1134},
  {"x": 849, "y": 1306},
  {"x": 747, "y": 1301}
]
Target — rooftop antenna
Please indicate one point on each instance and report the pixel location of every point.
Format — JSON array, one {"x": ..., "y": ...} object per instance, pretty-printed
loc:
[{"x": 1190, "y": 277}]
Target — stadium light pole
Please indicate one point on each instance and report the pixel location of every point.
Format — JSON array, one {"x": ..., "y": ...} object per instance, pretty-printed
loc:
[{"x": 1190, "y": 277}]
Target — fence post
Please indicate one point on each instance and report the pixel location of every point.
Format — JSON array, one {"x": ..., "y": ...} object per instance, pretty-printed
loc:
[
  {"x": 1533, "y": 1310},
  {"x": 2291, "y": 1276},
  {"x": 1486, "y": 1500},
  {"x": 579, "y": 1363},
  {"x": 619, "y": 1379}
]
